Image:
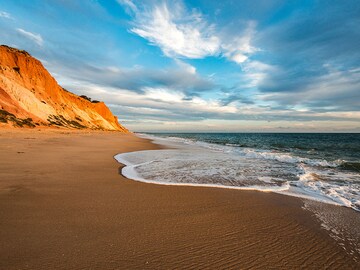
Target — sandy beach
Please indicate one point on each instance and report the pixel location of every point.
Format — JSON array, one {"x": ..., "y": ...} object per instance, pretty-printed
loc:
[{"x": 64, "y": 205}]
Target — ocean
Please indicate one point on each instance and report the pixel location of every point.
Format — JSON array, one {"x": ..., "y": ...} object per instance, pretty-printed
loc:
[{"x": 322, "y": 167}]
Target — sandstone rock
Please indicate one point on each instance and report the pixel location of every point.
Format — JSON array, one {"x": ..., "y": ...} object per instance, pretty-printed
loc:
[{"x": 28, "y": 91}]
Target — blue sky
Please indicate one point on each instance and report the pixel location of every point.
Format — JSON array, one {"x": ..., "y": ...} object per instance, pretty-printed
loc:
[{"x": 201, "y": 65}]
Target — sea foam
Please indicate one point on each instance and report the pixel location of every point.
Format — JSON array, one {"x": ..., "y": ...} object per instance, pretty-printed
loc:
[{"x": 197, "y": 163}]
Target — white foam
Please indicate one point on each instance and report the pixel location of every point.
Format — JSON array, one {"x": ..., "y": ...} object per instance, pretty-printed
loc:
[
  {"x": 129, "y": 171},
  {"x": 211, "y": 165},
  {"x": 286, "y": 157},
  {"x": 340, "y": 187}
]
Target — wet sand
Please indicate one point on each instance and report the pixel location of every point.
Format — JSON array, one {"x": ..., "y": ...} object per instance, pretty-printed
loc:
[{"x": 64, "y": 205}]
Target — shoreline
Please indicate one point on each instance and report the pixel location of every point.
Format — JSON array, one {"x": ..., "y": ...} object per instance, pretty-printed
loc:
[
  {"x": 131, "y": 174},
  {"x": 288, "y": 189},
  {"x": 337, "y": 225},
  {"x": 69, "y": 208}
]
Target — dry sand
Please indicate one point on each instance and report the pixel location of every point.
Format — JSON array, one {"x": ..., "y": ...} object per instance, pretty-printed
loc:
[{"x": 63, "y": 205}]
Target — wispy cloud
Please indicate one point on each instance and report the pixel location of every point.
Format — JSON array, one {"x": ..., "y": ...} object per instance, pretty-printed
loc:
[
  {"x": 129, "y": 4},
  {"x": 165, "y": 104},
  {"x": 334, "y": 91},
  {"x": 181, "y": 77},
  {"x": 32, "y": 36},
  {"x": 176, "y": 32},
  {"x": 6, "y": 15},
  {"x": 179, "y": 32},
  {"x": 156, "y": 102},
  {"x": 255, "y": 72},
  {"x": 240, "y": 47}
]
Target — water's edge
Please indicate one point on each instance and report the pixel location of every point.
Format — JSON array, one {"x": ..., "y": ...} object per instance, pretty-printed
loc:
[
  {"x": 129, "y": 171},
  {"x": 336, "y": 225}
]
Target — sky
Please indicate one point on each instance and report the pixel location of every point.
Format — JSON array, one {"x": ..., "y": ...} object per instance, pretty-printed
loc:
[{"x": 201, "y": 65}]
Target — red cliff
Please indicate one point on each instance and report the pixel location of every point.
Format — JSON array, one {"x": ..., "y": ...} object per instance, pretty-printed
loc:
[{"x": 30, "y": 96}]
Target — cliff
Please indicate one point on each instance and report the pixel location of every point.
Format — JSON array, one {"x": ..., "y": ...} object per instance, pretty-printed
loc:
[{"x": 30, "y": 96}]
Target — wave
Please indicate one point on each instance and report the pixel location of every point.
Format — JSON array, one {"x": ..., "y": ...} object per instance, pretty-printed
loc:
[
  {"x": 341, "y": 187},
  {"x": 130, "y": 172},
  {"x": 251, "y": 152},
  {"x": 353, "y": 166},
  {"x": 230, "y": 166},
  {"x": 286, "y": 157},
  {"x": 258, "y": 153}
]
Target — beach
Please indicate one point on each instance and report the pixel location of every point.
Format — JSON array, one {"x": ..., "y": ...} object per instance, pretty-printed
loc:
[{"x": 65, "y": 205}]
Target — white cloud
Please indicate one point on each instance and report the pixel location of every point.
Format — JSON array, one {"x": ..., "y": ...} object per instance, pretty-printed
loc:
[
  {"x": 181, "y": 33},
  {"x": 162, "y": 100},
  {"x": 162, "y": 94},
  {"x": 259, "y": 66},
  {"x": 34, "y": 37},
  {"x": 164, "y": 97},
  {"x": 186, "y": 67},
  {"x": 6, "y": 15},
  {"x": 129, "y": 4},
  {"x": 255, "y": 72},
  {"x": 240, "y": 47},
  {"x": 157, "y": 106},
  {"x": 238, "y": 58},
  {"x": 176, "y": 32}
]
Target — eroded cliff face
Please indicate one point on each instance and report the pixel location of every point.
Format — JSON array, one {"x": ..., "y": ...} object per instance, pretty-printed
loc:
[{"x": 30, "y": 96}]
